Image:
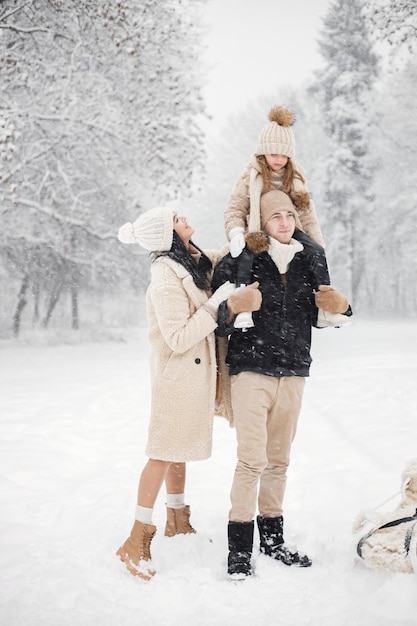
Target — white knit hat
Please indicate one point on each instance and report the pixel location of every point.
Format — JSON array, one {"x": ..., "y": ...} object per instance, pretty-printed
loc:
[
  {"x": 152, "y": 230},
  {"x": 277, "y": 137}
]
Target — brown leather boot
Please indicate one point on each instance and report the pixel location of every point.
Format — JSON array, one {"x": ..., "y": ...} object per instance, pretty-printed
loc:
[
  {"x": 136, "y": 550},
  {"x": 178, "y": 522}
]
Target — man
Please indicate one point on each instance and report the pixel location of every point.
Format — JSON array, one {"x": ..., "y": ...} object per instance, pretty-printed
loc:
[{"x": 268, "y": 364}]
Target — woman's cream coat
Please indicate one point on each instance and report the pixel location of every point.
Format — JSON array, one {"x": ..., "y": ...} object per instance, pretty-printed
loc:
[{"x": 183, "y": 364}]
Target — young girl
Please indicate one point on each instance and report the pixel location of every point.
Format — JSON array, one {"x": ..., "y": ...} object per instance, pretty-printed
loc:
[
  {"x": 182, "y": 315},
  {"x": 270, "y": 168}
]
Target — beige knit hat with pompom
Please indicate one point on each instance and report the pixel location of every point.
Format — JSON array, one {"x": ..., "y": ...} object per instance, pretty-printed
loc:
[
  {"x": 277, "y": 137},
  {"x": 153, "y": 230}
]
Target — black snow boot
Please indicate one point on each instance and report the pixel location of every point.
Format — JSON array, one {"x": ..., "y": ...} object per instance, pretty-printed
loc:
[
  {"x": 271, "y": 535},
  {"x": 240, "y": 535}
]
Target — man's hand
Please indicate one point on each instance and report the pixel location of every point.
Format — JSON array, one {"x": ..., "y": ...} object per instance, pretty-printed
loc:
[
  {"x": 245, "y": 299},
  {"x": 330, "y": 300}
]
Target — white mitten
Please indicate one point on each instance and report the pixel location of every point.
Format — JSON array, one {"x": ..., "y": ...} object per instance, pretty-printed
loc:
[
  {"x": 222, "y": 293},
  {"x": 237, "y": 241}
]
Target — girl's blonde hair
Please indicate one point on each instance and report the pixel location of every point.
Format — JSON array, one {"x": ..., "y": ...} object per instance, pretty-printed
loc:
[{"x": 290, "y": 174}]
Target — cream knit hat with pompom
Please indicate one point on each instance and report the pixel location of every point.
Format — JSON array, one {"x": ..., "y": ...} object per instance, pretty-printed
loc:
[
  {"x": 153, "y": 230},
  {"x": 277, "y": 137}
]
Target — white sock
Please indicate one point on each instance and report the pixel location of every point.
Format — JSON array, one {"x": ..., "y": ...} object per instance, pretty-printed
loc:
[
  {"x": 143, "y": 514},
  {"x": 175, "y": 500}
]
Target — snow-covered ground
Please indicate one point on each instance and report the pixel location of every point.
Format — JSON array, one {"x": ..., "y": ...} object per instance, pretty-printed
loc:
[{"x": 73, "y": 428}]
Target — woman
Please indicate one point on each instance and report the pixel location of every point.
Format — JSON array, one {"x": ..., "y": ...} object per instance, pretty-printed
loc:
[{"x": 182, "y": 315}]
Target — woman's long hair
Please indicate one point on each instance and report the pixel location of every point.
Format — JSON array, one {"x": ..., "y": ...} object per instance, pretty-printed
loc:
[
  {"x": 290, "y": 173},
  {"x": 200, "y": 272}
]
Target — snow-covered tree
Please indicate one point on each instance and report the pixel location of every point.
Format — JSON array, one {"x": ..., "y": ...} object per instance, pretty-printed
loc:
[
  {"x": 394, "y": 22},
  {"x": 98, "y": 119},
  {"x": 393, "y": 25},
  {"x": 345, "y": 86},
  {"x": 394, "y": 144}
]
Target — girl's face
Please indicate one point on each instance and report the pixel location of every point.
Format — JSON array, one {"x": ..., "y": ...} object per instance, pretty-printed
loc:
[
  {"x": 276, "y": 161},
  {"x": 183, "y": 229},
  {"x": 281, "y": 226}
]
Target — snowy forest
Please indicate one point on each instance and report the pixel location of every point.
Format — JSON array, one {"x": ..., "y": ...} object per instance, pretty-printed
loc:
[{"x": 103, "y": 116}]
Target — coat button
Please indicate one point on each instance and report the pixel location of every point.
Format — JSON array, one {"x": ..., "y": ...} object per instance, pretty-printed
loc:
[{"x": 198, "y": 361}]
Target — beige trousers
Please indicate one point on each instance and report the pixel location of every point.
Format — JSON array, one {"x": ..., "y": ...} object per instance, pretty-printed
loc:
[{"x": 266, "y": 411}]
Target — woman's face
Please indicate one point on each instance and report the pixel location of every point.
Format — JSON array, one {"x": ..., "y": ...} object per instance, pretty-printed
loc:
[
  {"x": 183, "y": 229},
  {"x": 276, "y": 161}
]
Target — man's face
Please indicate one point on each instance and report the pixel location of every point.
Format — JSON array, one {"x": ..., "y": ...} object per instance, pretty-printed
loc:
[{"x": 281, "y": 225}]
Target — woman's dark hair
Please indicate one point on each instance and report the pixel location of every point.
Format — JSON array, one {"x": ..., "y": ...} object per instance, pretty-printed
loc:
[{"x": 200, "y": 271}]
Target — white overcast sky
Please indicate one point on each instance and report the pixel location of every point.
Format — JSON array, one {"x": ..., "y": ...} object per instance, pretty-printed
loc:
[{"x": 256, "y": 45}]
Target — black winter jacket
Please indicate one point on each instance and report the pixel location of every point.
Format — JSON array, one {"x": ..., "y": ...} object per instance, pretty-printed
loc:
[{"x": 279, "y": 343}]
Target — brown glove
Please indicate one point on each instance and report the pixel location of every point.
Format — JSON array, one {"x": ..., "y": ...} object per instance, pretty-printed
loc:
[
  {"x": 330, "y": 300},
  {"x": 246, "y": 299}
]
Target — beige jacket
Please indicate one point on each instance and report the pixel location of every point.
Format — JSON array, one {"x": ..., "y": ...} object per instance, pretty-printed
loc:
[
  {"x": 183, "y": 364},
  {"x": 243, "y": 207}
]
